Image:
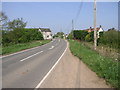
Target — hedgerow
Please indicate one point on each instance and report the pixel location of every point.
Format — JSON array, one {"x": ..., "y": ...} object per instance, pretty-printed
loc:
[{"x": 20, "y": 35}]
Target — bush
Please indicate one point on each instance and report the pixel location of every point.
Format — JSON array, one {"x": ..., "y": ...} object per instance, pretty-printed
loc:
[
  {"x": 88, "y": 38},
  {"x": 59, "y": 34},
  {"x": 80, "y": 34},
  {"x": 70, "y": 36},
  {"x": 20, "y": 35},
  {"x": 110, "y": 38}
]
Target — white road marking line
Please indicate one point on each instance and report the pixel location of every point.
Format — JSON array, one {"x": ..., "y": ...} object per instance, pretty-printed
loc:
[
  {"x": 52, "y": 47},
  {"x": 59, "y": 40},
  {"x": 31, "y": 56},
  {"x": 51, "y": 69}
]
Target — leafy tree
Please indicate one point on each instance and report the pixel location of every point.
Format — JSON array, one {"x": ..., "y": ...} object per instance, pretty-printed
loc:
[
  {"x": 3, "y": 20},
  {"x": 3, "y": 17},
  {"x": 16, "y": 23},
  {"x": 59, "y": 34},
  {"x": 70, "y": 36}
]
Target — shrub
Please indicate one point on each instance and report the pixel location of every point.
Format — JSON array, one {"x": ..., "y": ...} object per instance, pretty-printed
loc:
[
  {"x": 20, "y": 35},
  {"x": 70, "y": 36},
  {"x": 110, "y": 38},
  {"x": 88, "y": 38},
  {"x": 80, "y": 34}
]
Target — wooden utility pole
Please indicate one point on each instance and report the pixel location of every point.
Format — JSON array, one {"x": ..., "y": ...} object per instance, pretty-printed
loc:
[
  {"x": 95, "y": 36},
  {"x": 72, "y": 28},
  {"x": 72, "y": 25}
]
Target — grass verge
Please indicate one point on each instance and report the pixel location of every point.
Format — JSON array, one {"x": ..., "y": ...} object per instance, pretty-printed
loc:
[
  {"x": 22, "y": 46},
  {"x": 103, "y": 66}
]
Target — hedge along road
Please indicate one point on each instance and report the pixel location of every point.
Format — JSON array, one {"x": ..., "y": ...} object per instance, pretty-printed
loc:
[{"x": 29, "y": 68}]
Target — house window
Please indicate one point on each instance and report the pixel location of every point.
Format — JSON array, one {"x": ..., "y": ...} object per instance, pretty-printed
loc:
[{"x": 47, "y": 35}]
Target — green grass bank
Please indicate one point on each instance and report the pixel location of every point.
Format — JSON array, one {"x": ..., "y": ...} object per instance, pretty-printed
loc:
[
  {"x": 104, "y": 67},
  {"x": 22, "y": 46}
]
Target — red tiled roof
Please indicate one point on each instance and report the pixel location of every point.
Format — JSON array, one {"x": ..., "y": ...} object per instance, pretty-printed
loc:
[{"x": 92, "y": 29}]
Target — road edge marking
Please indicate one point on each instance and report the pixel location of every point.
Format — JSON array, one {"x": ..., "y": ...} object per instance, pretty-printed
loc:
[{"x": 51, "y": 69}]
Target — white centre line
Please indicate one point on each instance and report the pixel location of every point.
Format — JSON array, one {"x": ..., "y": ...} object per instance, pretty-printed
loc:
[
  {"x": 52, "y": 47},
  {"x": 59, "y": 40},
  {"x": 31, "y": 56}
]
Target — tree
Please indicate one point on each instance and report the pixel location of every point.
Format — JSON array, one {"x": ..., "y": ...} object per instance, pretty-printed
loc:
[
  {"x": 3, "y": 20},
  {"x": 70, "y": 36},
  {"x": 59, "y": 34},
  {"x": 16, "y": 23},
  {"x": 3, "y": 16}
]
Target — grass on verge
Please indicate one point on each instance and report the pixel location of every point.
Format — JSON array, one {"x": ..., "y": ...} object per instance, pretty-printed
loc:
[
  {"x": 103, "y": 66},
  {"x": 22, "y": 46}
]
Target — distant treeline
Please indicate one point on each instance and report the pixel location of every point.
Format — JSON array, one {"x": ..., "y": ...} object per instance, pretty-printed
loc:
[
  {"x": 109, "y": 38},
  {"x": 20, "y": 35}
]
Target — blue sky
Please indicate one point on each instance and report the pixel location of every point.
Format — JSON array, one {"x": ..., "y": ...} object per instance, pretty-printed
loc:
[{"x": 58, "y": 15}]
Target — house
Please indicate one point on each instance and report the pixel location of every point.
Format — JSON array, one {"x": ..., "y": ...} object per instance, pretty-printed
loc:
[
  {"x": 66, "y": 35},
  {"x": 46, "y": 32},
  {"x": 99, "y": 29}
]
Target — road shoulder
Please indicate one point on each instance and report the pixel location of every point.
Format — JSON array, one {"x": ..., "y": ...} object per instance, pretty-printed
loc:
[{"x": 70, "y": 72}]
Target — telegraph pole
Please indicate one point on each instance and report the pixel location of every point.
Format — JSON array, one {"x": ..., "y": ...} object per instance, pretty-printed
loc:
[
  {"x": 72, "y": 28},
  {"x": 95, "y": 36},
  {"x": 72, "y": 25}
]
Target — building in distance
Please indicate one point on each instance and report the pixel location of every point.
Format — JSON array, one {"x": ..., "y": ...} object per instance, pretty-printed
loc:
[
  {"x": 98, "y": 29},
  {"x": 46, "y": 32}
]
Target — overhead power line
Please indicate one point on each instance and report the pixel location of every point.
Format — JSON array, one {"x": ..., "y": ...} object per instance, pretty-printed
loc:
[
  {"x": 76, "y": 18},
  {"x": 79, "y": 11}
]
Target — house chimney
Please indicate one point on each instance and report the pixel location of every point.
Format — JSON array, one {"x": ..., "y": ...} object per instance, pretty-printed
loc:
[
  {"x": 90, "y": 28},
  {"x": 100, "y": 26}
]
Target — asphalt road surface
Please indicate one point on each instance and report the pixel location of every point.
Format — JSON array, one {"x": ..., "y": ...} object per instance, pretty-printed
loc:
[{"x": 26, "y": 69}]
